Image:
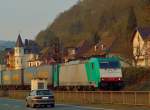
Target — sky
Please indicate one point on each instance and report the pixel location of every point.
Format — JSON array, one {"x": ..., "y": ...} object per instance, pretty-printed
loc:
[{"x": 28, "y": 17}]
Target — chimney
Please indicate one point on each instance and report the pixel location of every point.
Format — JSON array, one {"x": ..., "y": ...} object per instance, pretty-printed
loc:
[{"x": 26, "y": 42}]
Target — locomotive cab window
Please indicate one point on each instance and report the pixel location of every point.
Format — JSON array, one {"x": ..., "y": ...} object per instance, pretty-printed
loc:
[
  {"x": 104, "y": 65},
  {"x": 112, "y": 64}
]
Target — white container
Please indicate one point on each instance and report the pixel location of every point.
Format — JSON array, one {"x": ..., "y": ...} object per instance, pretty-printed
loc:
[{"x": 38, "y": 83}]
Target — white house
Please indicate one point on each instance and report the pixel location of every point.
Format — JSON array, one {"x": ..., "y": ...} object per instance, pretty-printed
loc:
[
  {"x": 141, "y": 46},
  {"x": 23, "y": 56}
]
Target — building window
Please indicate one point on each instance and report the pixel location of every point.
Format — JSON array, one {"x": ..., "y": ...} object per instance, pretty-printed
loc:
[
  {"x": 29, "y": 64},
  {"x": 17, "y": 61},
  {"x": 21, "y": 61}
]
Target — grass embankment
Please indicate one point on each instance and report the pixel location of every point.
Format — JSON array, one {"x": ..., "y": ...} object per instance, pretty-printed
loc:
[{"x": 137, "y": 79}]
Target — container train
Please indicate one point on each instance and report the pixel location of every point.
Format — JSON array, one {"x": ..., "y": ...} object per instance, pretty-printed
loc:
[{"x": 91, "y": 74}]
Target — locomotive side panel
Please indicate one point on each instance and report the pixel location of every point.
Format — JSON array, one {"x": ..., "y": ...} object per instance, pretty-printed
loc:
[
  {"x": 73, "y": 75},
  {"x": 0, "y": 77},
  {"x": 92, "y": 69}
]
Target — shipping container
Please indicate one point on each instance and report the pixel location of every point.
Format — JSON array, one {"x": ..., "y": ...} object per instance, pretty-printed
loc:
[
  {"x": 7, "y": 78},
  {"x": 29, "y": 74},
  {"x": 16, "y": 77}
]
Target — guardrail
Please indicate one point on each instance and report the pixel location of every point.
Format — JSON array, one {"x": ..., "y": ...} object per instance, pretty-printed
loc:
[
  {"x": 92, "y": 97},
  {"x": 86, "y": 97}
]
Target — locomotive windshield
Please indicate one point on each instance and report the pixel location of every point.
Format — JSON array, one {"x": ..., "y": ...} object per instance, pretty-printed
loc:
[{"x": 111, "y": 64}]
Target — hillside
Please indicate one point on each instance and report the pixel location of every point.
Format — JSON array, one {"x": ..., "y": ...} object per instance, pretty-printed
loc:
[
  {"x": 113, "y": 20},
  {"x": 6, "y": 44}
]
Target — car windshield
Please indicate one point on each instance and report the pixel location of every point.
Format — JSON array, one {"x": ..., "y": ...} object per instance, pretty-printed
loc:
[{"x": 44, "y": 92}]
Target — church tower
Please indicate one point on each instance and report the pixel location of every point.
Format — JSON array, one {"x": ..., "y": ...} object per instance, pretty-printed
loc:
[{"x": 19, "y": 53}]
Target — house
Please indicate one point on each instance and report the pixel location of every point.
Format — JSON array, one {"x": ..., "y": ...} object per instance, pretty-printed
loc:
[
  {"x": 72, "y": 51},
  {"x": 85, "y": 49},
  {"x": 23, "y": 55},
  {"x": 34, "y": 62},
  {"x": 141, "y": 46}
]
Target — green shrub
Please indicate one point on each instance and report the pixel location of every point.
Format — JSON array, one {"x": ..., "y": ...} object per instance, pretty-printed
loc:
[{"x": 134, "y": 75}]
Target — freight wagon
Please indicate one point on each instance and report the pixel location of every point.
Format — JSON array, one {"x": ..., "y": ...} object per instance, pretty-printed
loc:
[
  {"x": 21, "y": 79},
  {"x": 11, "y": 79}
]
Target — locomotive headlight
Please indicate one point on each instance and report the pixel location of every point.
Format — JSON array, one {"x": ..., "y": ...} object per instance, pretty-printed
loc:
[
  {"x": 111, "y": 70},
  {"x": 119, "y": 79}
]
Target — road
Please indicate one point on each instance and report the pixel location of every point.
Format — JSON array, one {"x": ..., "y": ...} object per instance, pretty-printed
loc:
[{"x": 12, "y": 104}]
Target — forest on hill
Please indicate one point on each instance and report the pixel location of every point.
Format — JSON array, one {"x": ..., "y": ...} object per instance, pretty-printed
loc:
[{"x": 112, "y": 20}]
